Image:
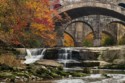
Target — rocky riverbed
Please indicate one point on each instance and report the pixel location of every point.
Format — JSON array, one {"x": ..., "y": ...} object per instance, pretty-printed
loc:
[
  {"x": 50, "y": 71},
  {"x": 40, "y": 71},
  {"x": 96, "y": 78}
]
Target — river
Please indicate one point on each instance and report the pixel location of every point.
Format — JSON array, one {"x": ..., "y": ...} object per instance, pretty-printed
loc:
[{"x": 95, "y": 78}]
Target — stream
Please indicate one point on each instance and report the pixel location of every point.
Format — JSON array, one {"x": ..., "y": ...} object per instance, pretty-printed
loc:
[
  {"x": 66, "y": 57},
  {"x": 95, "y": 78}
]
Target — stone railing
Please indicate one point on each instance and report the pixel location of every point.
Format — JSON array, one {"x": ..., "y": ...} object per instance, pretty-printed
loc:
[
  {"x": 111, "y": 4},
  {"x": 67, "y": 2}
]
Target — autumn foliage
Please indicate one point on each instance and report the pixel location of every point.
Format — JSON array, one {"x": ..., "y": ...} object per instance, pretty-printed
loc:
[
  {"x": 27, "y": 20},
  {"x": 68, "y": 40}
]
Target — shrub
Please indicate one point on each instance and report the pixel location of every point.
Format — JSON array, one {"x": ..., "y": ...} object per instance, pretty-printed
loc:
[
  {"x": 10, "y": 60},
  {"x": 122, "y": 41},
  {"x": 108, "y": 41},
  {"x": 87, "y": 43}
]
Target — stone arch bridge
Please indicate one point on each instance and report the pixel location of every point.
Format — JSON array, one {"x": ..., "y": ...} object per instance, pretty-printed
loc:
[{"x": 97, "y": 14}]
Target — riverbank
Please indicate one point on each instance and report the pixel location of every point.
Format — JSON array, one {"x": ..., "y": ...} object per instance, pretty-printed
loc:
[
  {"x": 35, "y": 72},
  {"x": 12, "y": 69}
]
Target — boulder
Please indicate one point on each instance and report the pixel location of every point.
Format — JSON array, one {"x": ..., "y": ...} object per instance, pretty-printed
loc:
[
  {"x": 48, "y": 63},
  {"x": 119, "y": 61}
]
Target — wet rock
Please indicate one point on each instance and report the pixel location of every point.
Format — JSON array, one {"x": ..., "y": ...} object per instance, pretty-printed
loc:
[
  {"x": 43, "y": 67},
  {"x": 21, "y": 50},
  {"x": 106, "y": 75},
  {"x": 88, "y": 55},
  {"x": 77, "y": 74},
  {"x": 26, "y": 79},
  {"x": 90, "y": 63},
  {"x": 51, "y": 54},
  {"x": 109, "y": 55},
  {"x": 87, "y": 70},
  {"x": 48, "y": 63},
  {"x": 70, "y": 76},
  {"x": 104, "y": 63},
  {"x": 119, "y": 61},
  {"x": 39, "y": 79},
  {"x": 112, "y": 56}
]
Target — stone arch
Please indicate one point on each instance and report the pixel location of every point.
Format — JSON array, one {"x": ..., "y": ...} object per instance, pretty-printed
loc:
[
  {"x": 86, "y": 8},
  {"x": 108, "y": 40},
  {"x": 79, "y": 33},
  {"x": 106, "y": 32},
  {"x": 68, "y": 24},
  {"x": 122, "y": 5},
  {"x": 82, "y": 22},
  {"x": 120, "y": 30},
  {"x": 120, "y": 22},
  {"x": 120, "y": 33},
  {"x": 89, "y": 39}
]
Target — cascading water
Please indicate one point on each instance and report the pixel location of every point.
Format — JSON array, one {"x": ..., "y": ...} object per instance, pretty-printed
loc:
[
  {"x": 65, "y": 57},
  {"x": 33, "y": 56}
]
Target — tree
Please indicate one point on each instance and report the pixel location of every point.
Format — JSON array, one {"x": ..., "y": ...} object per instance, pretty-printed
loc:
[{"x": 21, "y": 19}]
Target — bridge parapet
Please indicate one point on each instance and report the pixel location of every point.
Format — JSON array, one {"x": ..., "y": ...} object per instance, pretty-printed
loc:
[
  {"x": 67, "y": 2},
  {"x": 111, "y": 7},
  {"x": 92, "y": 3}
]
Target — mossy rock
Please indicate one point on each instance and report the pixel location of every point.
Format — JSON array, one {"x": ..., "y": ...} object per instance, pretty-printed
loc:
[
  {"x": 78, "y": 74},
  {"x": 21, "y": 74},
  {"x": 60, "y": 68},
  {"x": 45, "y": 76},
  {"x": 62, "y": 73},
  {"x": 7, "y": 75},
  {"x": 113, "y": 66},
  {"x": 105, "y": 75},
  {"x": 54, "y": 75}
]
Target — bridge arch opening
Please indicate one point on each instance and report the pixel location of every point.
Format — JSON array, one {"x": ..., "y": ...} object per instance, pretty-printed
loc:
[
  {"x": 117, "y": 29},
  {"x": 79, "y": 31},
  {"x": 107, "y": 39},
  {"x": 88, "y": 40},
  {"x": 68, "y": 40},
  {"x": 77, "y": 11},
  {"x": 79, "y": 21},
  {"x": 122, "y": 5}
]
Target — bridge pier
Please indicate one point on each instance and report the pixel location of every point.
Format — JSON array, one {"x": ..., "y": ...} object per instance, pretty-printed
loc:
[
  {"x": 59, "y": 34},
  {"x": 97, "y": 26},
  {"x": 97, "y": 42},
  {"x": 79, "y": 35},
  {"x": 97, "y": 38}
]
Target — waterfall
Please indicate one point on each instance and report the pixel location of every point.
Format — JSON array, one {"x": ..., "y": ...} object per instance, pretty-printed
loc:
[
  {"x": 65, "y": 57},
  {"x": 28, "y": 53},
  {"x": 30, "y": 58},
  {"x": 65, "y": 54}
]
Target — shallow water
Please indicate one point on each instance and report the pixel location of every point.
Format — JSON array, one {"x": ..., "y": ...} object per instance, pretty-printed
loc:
[{"x": 95, "y": 78}]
